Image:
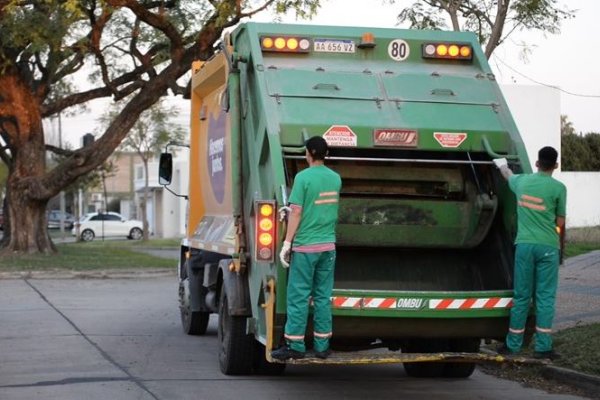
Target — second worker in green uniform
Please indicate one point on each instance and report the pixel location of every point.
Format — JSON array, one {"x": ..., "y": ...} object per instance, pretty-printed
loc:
[
  {"x": 541, "y": 210},
  {"x": 310, "y": 240}
]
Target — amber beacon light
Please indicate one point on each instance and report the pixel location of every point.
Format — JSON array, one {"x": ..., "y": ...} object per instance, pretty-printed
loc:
[
  {"x": 285, "y": 44},
  {"x": 265, "y": 231},
  {"x": 447, "y": 51}
]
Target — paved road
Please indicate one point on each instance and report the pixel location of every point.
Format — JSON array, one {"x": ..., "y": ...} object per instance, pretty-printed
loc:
[{"x": 120, "y": 339}]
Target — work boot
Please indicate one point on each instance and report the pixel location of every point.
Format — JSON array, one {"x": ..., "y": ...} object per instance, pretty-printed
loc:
[
  {"x": 504, "y": 350},
  {"x": 285, "y": 353},
  {"x": 546, "y": 355},
  {"x": 323, "y": 354}
]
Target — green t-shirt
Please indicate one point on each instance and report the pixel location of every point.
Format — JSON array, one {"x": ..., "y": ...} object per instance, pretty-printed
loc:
[
  {"x": 317, "y": 190},
  {"x": 540, "y": 199}
]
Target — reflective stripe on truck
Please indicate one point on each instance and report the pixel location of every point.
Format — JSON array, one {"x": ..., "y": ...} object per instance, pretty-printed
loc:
[{"x": 419, "y": 303}]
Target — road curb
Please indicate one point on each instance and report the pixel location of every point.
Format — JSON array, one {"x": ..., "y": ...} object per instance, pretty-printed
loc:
[
  {"x": 586, "y": 382},
  {"x": 95, "y": 274}
]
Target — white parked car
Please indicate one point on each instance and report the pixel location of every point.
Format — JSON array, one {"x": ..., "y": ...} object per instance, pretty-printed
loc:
[{"x": 108, "y": 224}]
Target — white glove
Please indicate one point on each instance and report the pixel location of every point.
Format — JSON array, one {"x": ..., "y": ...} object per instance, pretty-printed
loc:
[
  {"x": 500, "y": 162},
  {"x": 284, "y": 255},
  {"x": 284, "y": 212}
]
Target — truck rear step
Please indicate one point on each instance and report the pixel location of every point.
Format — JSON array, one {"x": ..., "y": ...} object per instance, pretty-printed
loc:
[{"x": 394, "y": 357}]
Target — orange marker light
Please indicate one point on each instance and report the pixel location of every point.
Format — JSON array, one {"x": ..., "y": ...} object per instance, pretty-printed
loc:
[
  {"x": 292, "y": 43},
  {"x": 442, "y": 50},
  {"x": 267, "y": 43},
  {"x": 367, "y": 41},
  {"x": 279, "y": 43},
  {"x": 265, "y": 239},
  {"x": 265, "y": 224},
  {"x": 465, "y": 51},
  {"x": 453, "y": 50},
  {"x": 266, "y": 210}
]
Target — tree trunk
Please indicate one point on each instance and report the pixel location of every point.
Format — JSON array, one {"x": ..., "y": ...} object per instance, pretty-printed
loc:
[
  {"x": 28, "y": 230},
  {"x": 26, "y": 197}
]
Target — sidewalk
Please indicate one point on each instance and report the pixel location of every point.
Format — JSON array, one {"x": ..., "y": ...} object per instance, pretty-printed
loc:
[{"x": 578, "y": 297}]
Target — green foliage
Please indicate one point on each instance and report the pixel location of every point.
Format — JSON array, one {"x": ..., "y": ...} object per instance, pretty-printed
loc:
[
  {"x": 542, "y": 15},
  {"x": 36, "y": 28},
  {"x": 421, "y": 17},
  {"x": 575, "y": 155},
  {"x": 578, "y": 153},
  {"x": 592, "y": 141}
]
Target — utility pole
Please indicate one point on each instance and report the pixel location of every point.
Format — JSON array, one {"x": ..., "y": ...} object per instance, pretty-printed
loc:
[{"x": 62, "y": 192}]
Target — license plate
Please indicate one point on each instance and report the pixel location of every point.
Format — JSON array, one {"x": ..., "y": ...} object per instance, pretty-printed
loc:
[{"x": 334, "y": 46}]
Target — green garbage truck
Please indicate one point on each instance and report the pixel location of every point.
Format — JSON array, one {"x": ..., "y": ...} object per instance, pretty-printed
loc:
[{"x": 426, "y": 225}]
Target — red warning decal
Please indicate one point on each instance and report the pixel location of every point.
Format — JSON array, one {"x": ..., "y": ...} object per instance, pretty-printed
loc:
[
  {"x": 448, "y": 139},
  {"x": 340, "y": 136}
]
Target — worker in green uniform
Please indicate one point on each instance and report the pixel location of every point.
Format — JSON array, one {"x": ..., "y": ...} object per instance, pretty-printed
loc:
[
  {"x": 541, "y": 210},
  {"x": 309, "y": 252}
]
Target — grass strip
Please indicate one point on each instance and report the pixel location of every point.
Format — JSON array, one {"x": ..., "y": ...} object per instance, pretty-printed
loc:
[
  {"x": 575, "y": 249},
  {"x": 87, "y": 256},
  {"x": 579, "y": 348}
]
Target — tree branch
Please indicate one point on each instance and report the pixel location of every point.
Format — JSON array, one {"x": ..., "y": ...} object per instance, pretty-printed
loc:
[
  {"x": 154, "y": 20},
  {"x": 498, "y": 26},
  {"x": 59, "y": 151}
]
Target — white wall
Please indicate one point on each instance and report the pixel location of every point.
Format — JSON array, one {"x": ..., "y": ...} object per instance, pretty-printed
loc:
[
  {"x": 536, "y": 110},
  {"x": 583, "y": 198}
]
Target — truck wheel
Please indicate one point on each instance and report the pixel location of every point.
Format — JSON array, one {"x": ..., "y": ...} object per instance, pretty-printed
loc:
[
  {"x": 193, "y": 322},
  {"x": 261, "y": 365},
  {"x": 236, "y": 346},
  {"x": 457, "y": 369},
  {"x": 424, "y": 369}
]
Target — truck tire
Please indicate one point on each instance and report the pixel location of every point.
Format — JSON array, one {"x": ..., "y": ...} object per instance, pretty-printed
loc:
[
  {"x": 192, "y": 322},
  {"x": 424, "y": 369},
  {"x": 236, "y": 347},
  {"x": 461, "y": 369},
  {"x": 262, "y": 366}
]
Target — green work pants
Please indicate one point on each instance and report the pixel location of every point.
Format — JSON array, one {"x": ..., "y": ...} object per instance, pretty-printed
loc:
[
  {"x": 310, "y": 274},
  {"x": 536, "y": 275}
]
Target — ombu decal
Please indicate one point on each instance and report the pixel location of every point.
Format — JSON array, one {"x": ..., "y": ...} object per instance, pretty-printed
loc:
[{"x": 395, "y": 137}]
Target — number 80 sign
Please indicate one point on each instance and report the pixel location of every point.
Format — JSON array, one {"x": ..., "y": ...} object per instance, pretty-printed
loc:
[{"x": 398, "y": 50}]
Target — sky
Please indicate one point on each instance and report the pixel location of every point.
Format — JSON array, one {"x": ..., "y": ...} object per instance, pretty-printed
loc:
[{"x": 569, "y": 61}]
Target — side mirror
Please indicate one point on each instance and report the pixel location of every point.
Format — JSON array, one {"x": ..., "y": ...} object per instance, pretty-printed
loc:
[{"x": 165, "y": 168}]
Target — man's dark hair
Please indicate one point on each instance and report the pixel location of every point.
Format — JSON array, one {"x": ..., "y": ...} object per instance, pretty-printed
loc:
[
  {"x": 547, "y": 157},
  {"x": 317, "y": 147}
]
